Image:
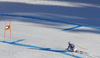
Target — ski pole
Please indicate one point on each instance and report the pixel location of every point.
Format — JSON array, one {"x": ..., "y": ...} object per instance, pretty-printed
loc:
[{"x": 81, "y": 47}]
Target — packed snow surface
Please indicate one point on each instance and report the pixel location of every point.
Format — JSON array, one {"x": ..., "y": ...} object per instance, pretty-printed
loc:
[{"x": 43, "y": 28}]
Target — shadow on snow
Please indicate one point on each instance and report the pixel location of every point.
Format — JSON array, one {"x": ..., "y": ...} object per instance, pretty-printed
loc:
[{"x": 88, "y": 16}]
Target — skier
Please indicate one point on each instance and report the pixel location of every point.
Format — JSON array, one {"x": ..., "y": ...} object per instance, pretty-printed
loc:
[{"x": 71, "y": 47}]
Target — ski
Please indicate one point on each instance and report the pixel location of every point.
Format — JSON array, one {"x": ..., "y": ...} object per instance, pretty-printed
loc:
[{"x": 80, "y": 52}]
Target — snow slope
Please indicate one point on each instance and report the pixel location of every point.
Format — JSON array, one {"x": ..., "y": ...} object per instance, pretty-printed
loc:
[{"x": 42, "y": 30}]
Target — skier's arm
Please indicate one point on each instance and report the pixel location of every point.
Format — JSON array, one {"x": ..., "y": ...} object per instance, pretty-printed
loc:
[{"x": 67, "y": 48}]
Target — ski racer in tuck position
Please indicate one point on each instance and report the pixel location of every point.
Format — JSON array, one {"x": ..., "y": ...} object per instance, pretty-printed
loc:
[{"x": 71, "y": 47}]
